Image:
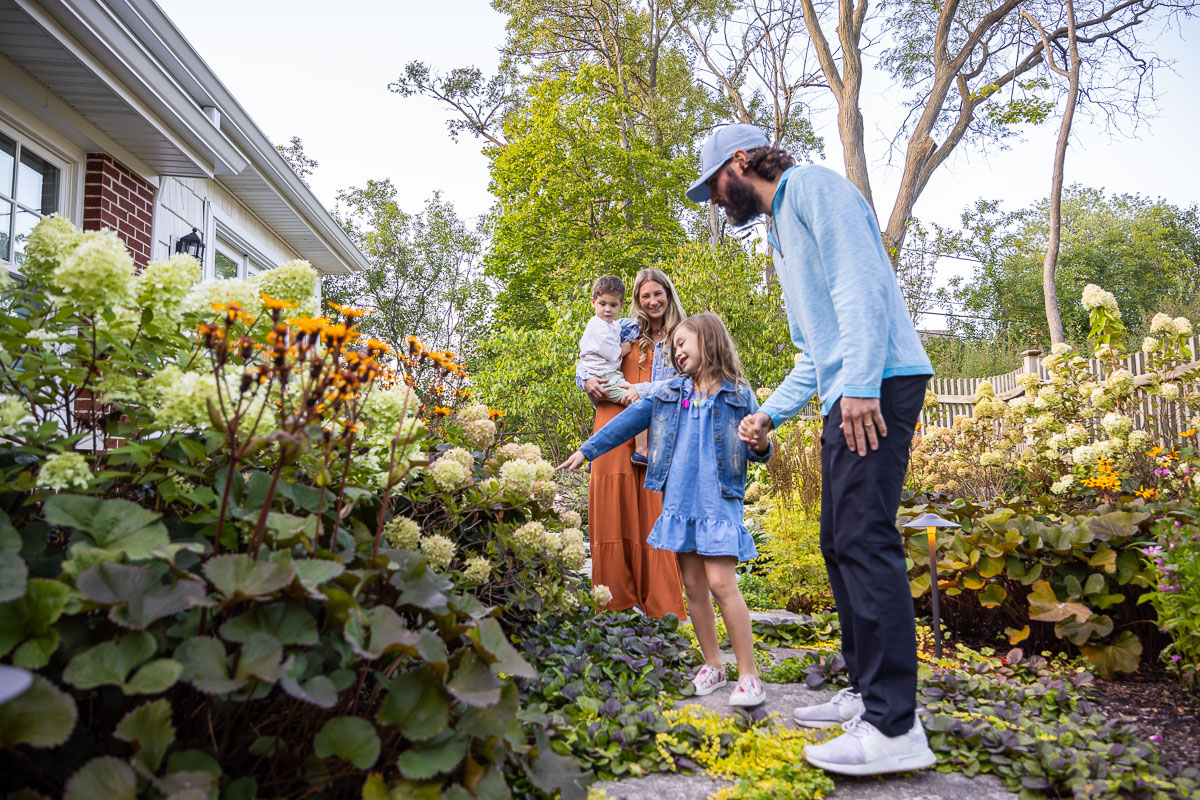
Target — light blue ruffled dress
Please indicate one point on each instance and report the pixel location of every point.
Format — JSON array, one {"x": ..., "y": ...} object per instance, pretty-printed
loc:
[{"x": 695, "y": 517}]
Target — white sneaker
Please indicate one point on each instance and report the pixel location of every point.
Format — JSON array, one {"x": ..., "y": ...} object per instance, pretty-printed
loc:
[
  {"x": 863, "y": 750},
  {"x": 842, "y": 707},
  {"x": 708, "y": 680},
  {"x": 749, "y": 692}
]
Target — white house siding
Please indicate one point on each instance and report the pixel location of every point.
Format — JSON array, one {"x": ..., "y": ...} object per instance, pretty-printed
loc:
[{"x": 186, "y": 203}]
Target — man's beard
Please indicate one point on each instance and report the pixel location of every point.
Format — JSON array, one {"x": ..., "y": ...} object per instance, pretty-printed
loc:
[{"x": 741, "y": 201}]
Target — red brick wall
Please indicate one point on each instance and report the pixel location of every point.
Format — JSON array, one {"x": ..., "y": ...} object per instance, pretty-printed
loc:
[{"x": 117, "y": 199}]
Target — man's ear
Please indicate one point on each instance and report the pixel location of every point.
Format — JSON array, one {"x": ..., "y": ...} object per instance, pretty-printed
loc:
[{"x": 739, "y": 160}]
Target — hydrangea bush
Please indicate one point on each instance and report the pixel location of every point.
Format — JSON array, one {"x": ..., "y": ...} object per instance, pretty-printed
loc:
[{"x": 243, "y": 557}]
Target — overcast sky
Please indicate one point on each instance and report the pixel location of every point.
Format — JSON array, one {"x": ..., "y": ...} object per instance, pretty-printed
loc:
[{"x": 320, "y": 71}]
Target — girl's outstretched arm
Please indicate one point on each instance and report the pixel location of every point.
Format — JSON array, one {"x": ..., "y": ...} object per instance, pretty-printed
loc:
[
  {"x": 574, "y": 462},
  {"x": 620, "y": 429}
]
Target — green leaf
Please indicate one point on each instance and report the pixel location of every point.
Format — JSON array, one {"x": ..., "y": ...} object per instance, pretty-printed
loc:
[
  {"x": 993, "y": 595},
  {"x": 136, "y": 594},
  {"x": 1045, "y": 607},
  {"x": 499, "y": 651},
  {"x": 920, "y": 584},
  {"x": 154, "y": 677},
  {"x": 424, "y": 590},
  {"x": 314, "y": 572},
  {"x": 107, "y": 777},
  {"x": 193, "y": 761},
  {"x": 205, "y": 665},
  {"x": 116, "y": 525},
  {"x": 261, "y": 658},
  {"x": 318, "y": 690},
  {"x": 1096, "y": 584},
  {"x": 415, "y": 703},
  {"x": 1116, "y": 526},
  {"x": 148, "y": 728},
  {"x": 288, "y": 622},
  {"x": 41, "y": 716},
  {"x": 25, "y": 622},
  {"x": 388, "y": 634},
  {"x": 423, "y": 761},
  {"x": 109, "y": 662},
  {"x": 473, "y": 682},
  {"x": 551, "y": 772},
  {"x": 13, "y": 575},
  {"x": 240, "y": 577},
  {"x": 1122, "y": 655},
  {"x": 351, "y": 738},
  {"x": 1096, "y": 627}
]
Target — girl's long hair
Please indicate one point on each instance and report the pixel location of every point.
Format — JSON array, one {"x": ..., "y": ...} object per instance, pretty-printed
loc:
[
  {"x": 719, "y": 359},
  {"x": 671, "y": 318}
]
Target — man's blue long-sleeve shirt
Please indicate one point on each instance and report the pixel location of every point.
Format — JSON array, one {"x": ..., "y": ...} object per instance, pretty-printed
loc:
[{"x": 844, "y": 307}]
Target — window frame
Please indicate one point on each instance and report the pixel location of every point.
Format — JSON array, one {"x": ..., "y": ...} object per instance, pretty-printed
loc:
[
  {"x": 237, "y": 248},
  {"x": 66, "y": 171}
]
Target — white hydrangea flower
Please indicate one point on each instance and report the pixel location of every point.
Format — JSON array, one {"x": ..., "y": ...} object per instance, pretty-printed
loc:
[
  {"x": 1138, "y": 440},
  {"x": 295, "y": 281},
  {"x": 1077, "y": 434},
  {"x": 389, "y": 408},
  {"x": 543, "y": 470},
  {"x": 529, "y": 536},
  {"x": 1149, "y": 344},
  {"x": 762, "y": 393},
  {"x": 542, "y": 492},
  {"x": 1183, "y": 326},
  {"x": 50, "y": 242},
  {"x": 571, "y": 519},
  {"x": 602, "y": 595},
  {"x": 1057, "y": 442},
  {"x": 551, "y": 542},
  {"x": 472, "y": 413},
  {"x": 96, "y": 275},
  {"x": 1120, "y": 382},
  {"x": 1084, "y": 455},
  {"x": 477, "y": 569},
  {"x": 163, "y": 284},
  {"x": 63, "y": 471},
  {"x": 43, "y": 339},
  {"x": 462, "y": 456},
  {"x": 1105, "y": 351},
  {"x": 479, "y": 432},
  {"x": 991, "y": 459},
  {"x": 1063, "y": 484},
  {"x": 1108, "y": 448},
  {"x": 449, "y": 474},
  {"x": 1162, "y": 324},
  {"x": 1115, "y": 424},
  {"x": 183, "y": 397},
  {"x": 203, "y": 296},
  {"x": 438, "y": 550},
  {"x": 1060, "y": 349},
  {"x": 1094, "y": 297},
  {"x": 12, "y": 411},
  {"x": 1170, "y": 391},
  {"x": 572, "y": 536},
  {"x": 402, "y": 533},
  {"x": 984, "y": 391},
  {"x": 518, "y": 476},
  {"x": 573, "y": 556}
]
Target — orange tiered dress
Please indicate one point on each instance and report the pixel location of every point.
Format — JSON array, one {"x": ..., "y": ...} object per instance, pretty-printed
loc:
[{"x": 621, "y": 512}]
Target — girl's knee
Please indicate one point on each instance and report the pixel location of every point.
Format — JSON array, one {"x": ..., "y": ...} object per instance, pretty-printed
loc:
[{"x": 723, "y": 587}]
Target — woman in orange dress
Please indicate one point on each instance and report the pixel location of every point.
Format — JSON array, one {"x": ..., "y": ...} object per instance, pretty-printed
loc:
[{"x": 621, "y": 511}]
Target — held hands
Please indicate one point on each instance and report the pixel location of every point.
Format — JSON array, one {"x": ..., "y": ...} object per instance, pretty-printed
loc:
[
  {"x": 574, "y": 463},
  {"x": 862, "y": 423},
  {"x": 595, "y": 389},
  {"x": 753, "y": 430}
]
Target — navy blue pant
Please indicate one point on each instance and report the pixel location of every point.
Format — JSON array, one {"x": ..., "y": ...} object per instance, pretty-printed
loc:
[{"x": 864, "y": 556}]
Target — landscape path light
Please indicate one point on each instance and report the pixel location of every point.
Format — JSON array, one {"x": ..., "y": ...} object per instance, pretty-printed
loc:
[{"x": 931, "y": 523}]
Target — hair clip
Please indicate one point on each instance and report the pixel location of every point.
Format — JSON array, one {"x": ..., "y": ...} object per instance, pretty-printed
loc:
[{"x": 686, "y": 403}]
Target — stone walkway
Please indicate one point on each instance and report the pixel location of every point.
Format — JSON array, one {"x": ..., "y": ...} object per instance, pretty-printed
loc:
[{"x": 781, "y": 699}]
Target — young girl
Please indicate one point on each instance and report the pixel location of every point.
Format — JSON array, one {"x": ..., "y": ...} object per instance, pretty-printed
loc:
[{"x": 699, "y": 464}]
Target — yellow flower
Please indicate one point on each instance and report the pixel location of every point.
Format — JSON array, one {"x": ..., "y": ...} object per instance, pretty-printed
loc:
[
  {"x": 352, "y": 313},
  {"x": 277, "y": 305}
]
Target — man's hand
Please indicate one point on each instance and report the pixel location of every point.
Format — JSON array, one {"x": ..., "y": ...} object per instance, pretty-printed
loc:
[
  {"x": 753, "y": 430},
  {"x": 574, "y": 463},
  {"x": 595, "y": 389},
  {"x": 631, "y": 394},
  {"x": 862, "y": 423}
]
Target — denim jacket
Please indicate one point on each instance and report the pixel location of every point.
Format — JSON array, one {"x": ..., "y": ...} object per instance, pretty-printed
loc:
[{"x": 661, "y": 410}]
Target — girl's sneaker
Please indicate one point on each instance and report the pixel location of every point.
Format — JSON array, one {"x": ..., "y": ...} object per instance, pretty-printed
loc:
[
  {"x": 708, "y": 680},
  {"x": 749, "y": 692}
]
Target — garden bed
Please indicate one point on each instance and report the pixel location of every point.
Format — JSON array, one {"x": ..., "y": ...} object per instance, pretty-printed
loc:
[{"x": 1162, "y": 711}]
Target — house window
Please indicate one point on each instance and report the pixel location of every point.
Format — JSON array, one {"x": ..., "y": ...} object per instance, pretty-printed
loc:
[
  {"x": 29, "y": 190},
  {"x": 225, "y": 265},
  {"x": 234, "y": 256}
]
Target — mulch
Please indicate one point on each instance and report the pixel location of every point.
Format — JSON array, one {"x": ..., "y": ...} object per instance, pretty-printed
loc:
[{"x": 1162, "y": 711}]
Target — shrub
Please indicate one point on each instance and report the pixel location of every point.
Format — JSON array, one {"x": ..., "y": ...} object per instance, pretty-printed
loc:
[
  {"x": 194, "y": 520},
  {"x": 790, "y": 561},
  {"x": 1173, "y": 558}
]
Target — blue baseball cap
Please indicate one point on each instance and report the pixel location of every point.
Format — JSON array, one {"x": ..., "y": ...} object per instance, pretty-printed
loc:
[{"x": 717, "y": 149}]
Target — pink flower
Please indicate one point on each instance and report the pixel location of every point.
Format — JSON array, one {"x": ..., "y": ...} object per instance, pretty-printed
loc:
[{"x": 1176, "y": 657}]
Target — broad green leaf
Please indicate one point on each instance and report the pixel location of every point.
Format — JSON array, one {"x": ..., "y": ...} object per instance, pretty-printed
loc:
[
  {"x": 351, "y": 738},
  {"x": 25, "y": 622},
  {"x": 920, "y": 584},
  {"x": 148, "y": 728},
  {"x": 205, "y": 665},
  {"x": 1117, "y": 525},
  {"x": 1096, "y": 626},
  {"x": 1096, "y": 584},
  {"x": 13, "y": 575},
  {"x": 1016, "y": 636},
  {"x": 432, "y": 650},
  {"x": 117, "y": 525},
  {"x": 314, "y": 572},
  {"x": 1074, "y": 587},
  {"x": 107, "y": 777},
  {"x": 154, "y": 677},
  {"x": 551, "y": 772},
  {"x": 993, "y": 595},
  {"x": 318, "y": 690},
  {"x": 187, "y": 785},
  {"x": 261, "y": 658},
  {"x": 109, "y": 662},
  {"x": 41, "y": 716},
  {"x": 1045, "y": 607},
  {"x": 416, "y": 703},
  {"x": 240, "y": 577},
  {"x": 499, "y": 651},
  {"x": 84, "y": 557},
  {"x": 1120, "y": 656},
  {"x": 473, "y": 682},
  {"x": 423, "y": 590},
  {"x": 136, "y": 594},
  {"x": 1105, "y": 559},
  {"x": 971, "y": 580},
  {"x": 423, "y": 761},
  {"x": 990, "y": 566},
  {"x": 388, "y": 634},
  {"x": 288, "y": 622},
  {"x": 193, "y": 761}
]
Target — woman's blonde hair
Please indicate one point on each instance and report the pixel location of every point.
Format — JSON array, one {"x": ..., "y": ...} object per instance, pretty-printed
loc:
[
  {"x": 671, "y": 318},
  {"x": 719, "y": 359}
]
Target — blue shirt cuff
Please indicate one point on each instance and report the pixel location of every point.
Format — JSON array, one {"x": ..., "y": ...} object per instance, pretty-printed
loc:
[{"x": 865, "y": 392}]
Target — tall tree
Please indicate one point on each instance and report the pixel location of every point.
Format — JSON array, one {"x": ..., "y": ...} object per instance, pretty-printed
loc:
[
  {"x": 293, "y": 153},
  {"x": 425, "y": 277}
]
